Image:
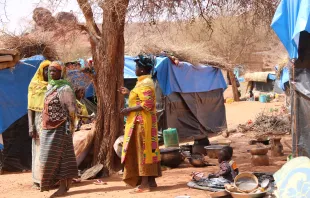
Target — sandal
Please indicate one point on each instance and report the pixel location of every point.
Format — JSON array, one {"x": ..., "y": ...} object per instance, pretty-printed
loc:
[
  {"x": 139, "y": 190},
  {"x": 100, "y": 182},
  {"x": 76, "y": 181}
]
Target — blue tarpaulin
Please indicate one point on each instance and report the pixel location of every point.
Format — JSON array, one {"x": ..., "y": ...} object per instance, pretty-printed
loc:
[
  {"x": 14, "y": 90},
  {"x": 271, "y": 77},
  {"x": 186, "y": 78},
  {"x": 129, "y": 68},
  {"x": 291, "y": 18},
  {"x": 284, "y": 77}
]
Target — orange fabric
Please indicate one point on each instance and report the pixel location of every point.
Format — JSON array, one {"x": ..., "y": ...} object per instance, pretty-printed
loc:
[
  {"x": 233, "y": 165},
  {"x": 56, "y": 65}
]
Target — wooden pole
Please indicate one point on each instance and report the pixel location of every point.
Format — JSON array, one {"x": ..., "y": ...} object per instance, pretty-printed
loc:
[
  {"x": 234, "y": 85},
  {"x": 295, "y": 112}
]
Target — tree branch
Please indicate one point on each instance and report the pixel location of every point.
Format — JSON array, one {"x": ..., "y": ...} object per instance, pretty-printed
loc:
[{"x": 91, "y": 25}]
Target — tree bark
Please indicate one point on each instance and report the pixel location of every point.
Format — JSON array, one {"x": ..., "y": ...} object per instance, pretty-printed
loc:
[
  {"x": 234, "y": 86},
  {"x": 108, "y": 60}
]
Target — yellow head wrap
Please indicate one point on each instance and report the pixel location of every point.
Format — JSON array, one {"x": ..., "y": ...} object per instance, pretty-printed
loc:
[{"x": 37, "y": 89}]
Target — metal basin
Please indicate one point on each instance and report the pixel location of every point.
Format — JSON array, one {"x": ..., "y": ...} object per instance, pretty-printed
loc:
[{"x": 213, "y": 150}]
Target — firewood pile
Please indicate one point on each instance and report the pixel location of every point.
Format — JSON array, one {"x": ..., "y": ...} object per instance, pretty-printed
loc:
[{"x": 274, "y": 123}]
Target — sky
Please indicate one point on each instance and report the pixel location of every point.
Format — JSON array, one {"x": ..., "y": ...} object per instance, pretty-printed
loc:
[{"x": 16, "y": 15}]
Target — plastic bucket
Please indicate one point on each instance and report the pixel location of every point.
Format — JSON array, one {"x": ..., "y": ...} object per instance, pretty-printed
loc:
[{"x": 263, "y": 99}]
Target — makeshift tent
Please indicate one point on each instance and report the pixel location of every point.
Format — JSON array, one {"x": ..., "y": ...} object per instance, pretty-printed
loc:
[
  {"x": 193, "y": 102},
  {"x": 300, "y": 101},
  {"x": 13, "y": 110},
  {"x": 292, "y": 25},
  {"x": 190, "y": 98},
  {"x": 261, "y": 81}
]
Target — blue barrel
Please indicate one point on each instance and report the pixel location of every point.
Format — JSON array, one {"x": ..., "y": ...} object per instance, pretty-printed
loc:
[{"x": 263, "y": 99}]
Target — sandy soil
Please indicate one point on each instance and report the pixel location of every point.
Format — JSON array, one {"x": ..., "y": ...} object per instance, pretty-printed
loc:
[{"x": 173, "y": 182}]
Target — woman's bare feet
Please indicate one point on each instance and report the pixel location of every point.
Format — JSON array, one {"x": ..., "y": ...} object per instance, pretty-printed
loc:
[
  {"x": 69, "y": 184},
  {"x": 152, "y": 182},
  {"x": 143, "y": 187},
  {"x": 61, "y": 190},
  {"x": 36, "y": 186}
]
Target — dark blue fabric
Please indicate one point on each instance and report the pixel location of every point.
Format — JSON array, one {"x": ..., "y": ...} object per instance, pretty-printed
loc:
[
  {"x": 14, "y": 90},
  {"x": 186, "y": 78}
]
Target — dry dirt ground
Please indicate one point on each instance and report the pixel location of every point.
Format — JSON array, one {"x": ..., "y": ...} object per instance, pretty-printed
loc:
[{"x": 173, "y": 182}]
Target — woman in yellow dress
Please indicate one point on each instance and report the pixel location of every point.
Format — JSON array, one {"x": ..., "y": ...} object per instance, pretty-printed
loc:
[
  {"x": 36, "y": 94},
  {"x": 82, "y": 116},
  {"x": 140, "y": 154}
]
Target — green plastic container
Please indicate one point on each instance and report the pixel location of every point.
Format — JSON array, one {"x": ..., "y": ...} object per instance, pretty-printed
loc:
[{"x": 171, "y": 138}]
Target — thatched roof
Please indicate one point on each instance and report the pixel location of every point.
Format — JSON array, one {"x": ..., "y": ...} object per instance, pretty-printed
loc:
[
  {"x": 190, "y": 54},
  {"x": 257, "y": 76},
  {"x": 28, "y": 46}
]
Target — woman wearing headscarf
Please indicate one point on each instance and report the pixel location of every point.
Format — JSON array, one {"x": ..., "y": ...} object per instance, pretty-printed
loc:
[
  {"x": 36, "y": 93},
  {"x": 82, "y": 116},
  {"x": 140, "y": 154},
  {"x": 58, "y": 162}
]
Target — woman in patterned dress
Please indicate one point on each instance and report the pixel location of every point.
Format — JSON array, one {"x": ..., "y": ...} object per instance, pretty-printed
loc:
[
  {"x": 36, "y": 93},
  {"x": 57, "y": 158},
  {"x": 140, "y": 154}
]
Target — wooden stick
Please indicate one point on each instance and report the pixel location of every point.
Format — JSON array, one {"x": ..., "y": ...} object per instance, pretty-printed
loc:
[
  {"x": 8, "y": 52},
  {"x": 6, "y": 58},
  {"x": 288, "y": 145}
]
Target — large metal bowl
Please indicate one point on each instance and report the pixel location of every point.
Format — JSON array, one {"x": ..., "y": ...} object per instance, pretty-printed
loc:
[
  {"x": 197, "y": 160},
  {"x": 198, "y": 149},
  {"x": 213, "y": 150}
]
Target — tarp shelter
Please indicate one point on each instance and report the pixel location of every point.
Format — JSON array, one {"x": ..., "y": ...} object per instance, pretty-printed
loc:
[
  {"x": 262, "y": 81},
  {"x": 13, "y": 110},
  {"x": 291, "y": 23},
  {"x": 191, "y": 97}
]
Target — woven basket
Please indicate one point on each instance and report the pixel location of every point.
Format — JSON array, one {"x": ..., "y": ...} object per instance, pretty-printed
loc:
[{"x": 244, "y": 176}]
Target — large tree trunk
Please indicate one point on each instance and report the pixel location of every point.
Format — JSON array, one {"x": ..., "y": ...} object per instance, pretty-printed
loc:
[{"x": 108, "y": 55}]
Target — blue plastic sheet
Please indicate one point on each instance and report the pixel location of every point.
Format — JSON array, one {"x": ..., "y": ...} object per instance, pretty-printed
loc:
[
  {"x": 129, "y": 68},
  {"x": 186, "y": 78},
  {"x": 14, "y": 90},
  {"x": 271, "y": 77},
  {"x": 284, "y": 78},
  {"x": 291, "y": 18}
]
